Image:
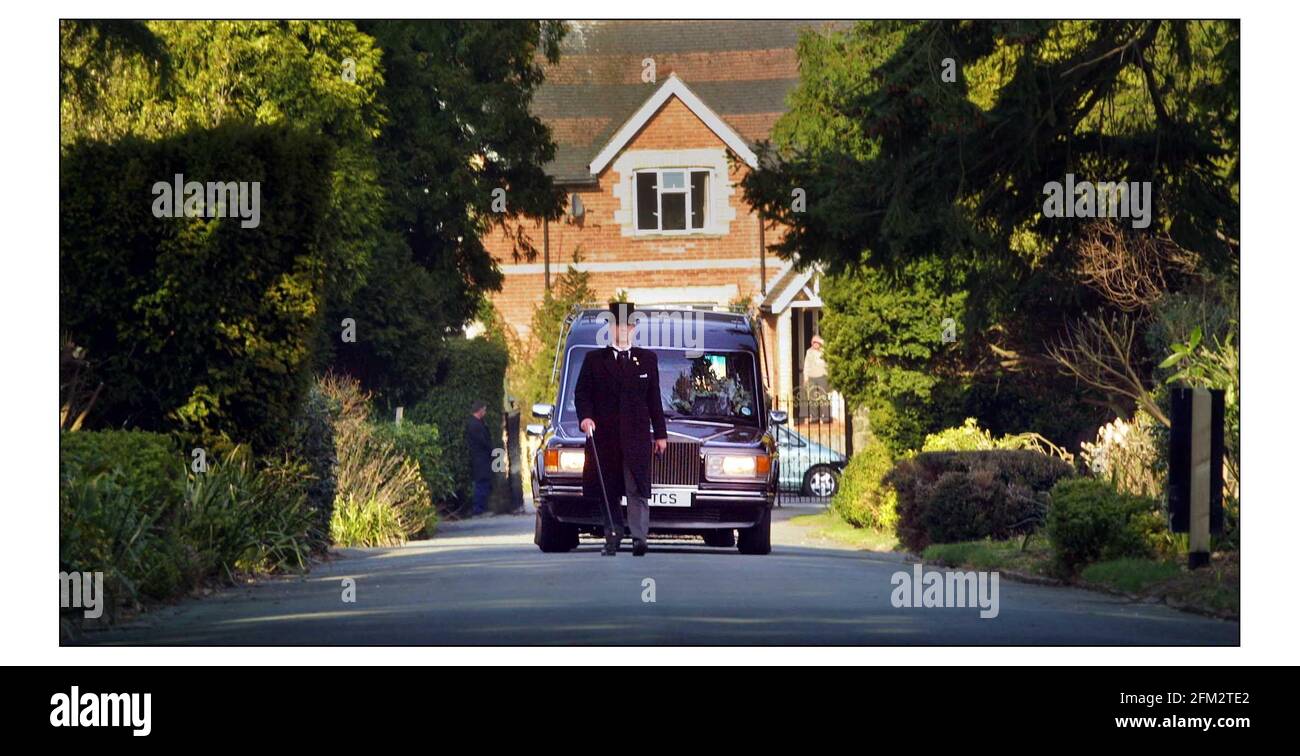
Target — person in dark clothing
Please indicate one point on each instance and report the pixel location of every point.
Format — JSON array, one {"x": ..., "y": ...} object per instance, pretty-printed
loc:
[
  {"x": 479, "y": 442},
  {"x": 617, "y": 399}
]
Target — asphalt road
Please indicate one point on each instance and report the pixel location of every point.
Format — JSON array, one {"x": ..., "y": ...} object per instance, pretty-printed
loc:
[{"x": 483, "y": 582}]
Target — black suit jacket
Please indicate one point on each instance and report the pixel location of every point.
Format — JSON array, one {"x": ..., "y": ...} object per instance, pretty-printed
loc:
[
  {"x": 622, "y": 397},
  {"x": 479, "y": 442}
]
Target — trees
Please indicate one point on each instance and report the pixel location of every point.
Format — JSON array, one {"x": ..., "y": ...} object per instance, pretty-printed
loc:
[
  {"x": 924, "y": 184},
  {"x": 195, "y": 324},
  {"x": 414, "y": 123}
]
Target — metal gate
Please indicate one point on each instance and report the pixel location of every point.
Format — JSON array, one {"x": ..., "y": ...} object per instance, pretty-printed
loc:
[{"x": 814, "y": 445}]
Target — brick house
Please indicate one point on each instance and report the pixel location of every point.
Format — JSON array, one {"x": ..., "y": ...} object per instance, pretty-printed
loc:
[{"x": 652, "y": 170}]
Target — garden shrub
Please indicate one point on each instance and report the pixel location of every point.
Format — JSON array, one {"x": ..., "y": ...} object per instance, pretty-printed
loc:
[
  {"x": 1127, "y": 453},
  {"x": 103, "y": 528},
  {"x": 952, "y": 496},
  {"x": 196, "y": 325},
  {"x": 240, "y": 519},
  {"x": 422, "y": 443},
  {"x": 1090, "y": 521},
  {"x": 372, "y": 472},
  {"x": 474, "y": 369},
  {"x": 147, "y": 465},
  {"x": 966, "y": 437},
  {"x": 312, "y": 444},
  {"x": 235, "y": 517},
  {"x": 862, "y": 500}
]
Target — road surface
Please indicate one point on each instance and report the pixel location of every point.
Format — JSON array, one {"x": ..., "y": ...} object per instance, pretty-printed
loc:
[{"x": 483, "y": 582}]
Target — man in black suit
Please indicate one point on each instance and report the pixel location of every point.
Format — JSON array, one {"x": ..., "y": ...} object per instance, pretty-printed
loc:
[
  {"x": 479, "y": 442},
  {"x": 617, "y": 399}
]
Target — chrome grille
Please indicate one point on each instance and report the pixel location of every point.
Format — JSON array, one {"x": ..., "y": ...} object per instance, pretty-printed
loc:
[{"x": 678, "y": 466}]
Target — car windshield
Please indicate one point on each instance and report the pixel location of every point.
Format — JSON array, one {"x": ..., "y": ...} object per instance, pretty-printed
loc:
[{"x": 715, "y": 385}]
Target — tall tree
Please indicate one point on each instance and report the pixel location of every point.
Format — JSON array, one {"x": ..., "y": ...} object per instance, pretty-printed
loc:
[
  {"x": 923, "y": 150},
  {"x": 459, "y": 154}
]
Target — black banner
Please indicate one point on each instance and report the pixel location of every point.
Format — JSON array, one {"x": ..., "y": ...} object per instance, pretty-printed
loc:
[{"x": 382, "y": 707}]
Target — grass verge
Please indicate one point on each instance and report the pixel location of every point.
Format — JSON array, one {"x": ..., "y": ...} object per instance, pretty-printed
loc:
[
  {"x": 1032, "y": 558},
  {"x": 1214, "y": 590},
  {"x": 830, "y": 526}
]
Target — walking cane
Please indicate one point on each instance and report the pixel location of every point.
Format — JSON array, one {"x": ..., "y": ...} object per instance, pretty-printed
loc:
[{"x": 604, "y": 493}]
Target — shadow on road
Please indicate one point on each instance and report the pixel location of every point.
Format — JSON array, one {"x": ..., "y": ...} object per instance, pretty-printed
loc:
[{"x": 483, "y": 582}]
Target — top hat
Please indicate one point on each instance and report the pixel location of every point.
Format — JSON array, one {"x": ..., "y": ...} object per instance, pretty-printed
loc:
[{"x": 622, "y": 312}]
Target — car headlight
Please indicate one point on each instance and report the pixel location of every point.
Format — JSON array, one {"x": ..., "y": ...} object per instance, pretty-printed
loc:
[
  {"x": 565, "y": 461},
  {"x": 733, "y": 466}
]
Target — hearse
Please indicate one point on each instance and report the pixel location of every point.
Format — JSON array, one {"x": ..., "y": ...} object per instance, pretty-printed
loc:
[{"x": 719, "y": 476}]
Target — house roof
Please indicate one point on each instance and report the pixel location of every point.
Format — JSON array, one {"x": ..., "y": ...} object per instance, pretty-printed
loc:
[
  {"x": 673, "y": 87},
  {"x": 790, "y": 282},
  {"x": 741, "y": 71}
]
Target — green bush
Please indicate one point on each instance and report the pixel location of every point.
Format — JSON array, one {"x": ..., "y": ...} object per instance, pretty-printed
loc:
[
  {"x": 474, "y": 370},
  {"x": 195, "y": 324},
  {"x": 103, "y": 528},
  {"x": 372, "y": 472},
  {"x": 148, "y": 465},
  {"x": 312, "y": 444},
  {"x": 862, "y": 501},
  {"x": 423, "y": 444},
  {"x": 237, "y": 518},
  {"x": 962, "y": 496},
  {"x": 971, "y": 506},
  {"x": 1090, "y": 521}
]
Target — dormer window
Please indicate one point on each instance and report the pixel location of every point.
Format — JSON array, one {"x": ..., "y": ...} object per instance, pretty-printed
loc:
[{"x": 671, "y": 199}]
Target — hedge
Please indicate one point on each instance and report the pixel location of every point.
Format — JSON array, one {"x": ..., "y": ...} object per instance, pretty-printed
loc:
[
  {"x": 129, "y": 509},
  {"x": 472, "y": 369},
  {"x": 1091, "y": 521},
  {"x": 944, "y": 497},
  {"x": 862, "y": 500},
  {"x": 195, "y": 324},
  {"x": 149, "y": 465}
]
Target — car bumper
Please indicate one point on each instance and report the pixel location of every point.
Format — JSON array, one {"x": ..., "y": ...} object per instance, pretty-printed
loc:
[{"x": 711, "y": 510}]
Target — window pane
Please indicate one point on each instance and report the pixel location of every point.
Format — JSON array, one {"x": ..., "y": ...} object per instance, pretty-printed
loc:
[
  {"x": 699, "y": 192},
  {"x": 674, "y": 180},
  {"x": 647, "y": 201},
  {"x": 674, "y": 212}
]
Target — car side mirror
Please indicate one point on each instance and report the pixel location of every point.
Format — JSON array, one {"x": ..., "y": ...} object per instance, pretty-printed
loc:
[
  {"x": 779, "y": 416},
  {"x": 543, "y": 410},
  {"x": 535, "y": 429}
]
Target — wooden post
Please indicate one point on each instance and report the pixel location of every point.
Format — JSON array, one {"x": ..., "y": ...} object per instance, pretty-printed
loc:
[
  {"x": 1196, "y": 469},
  {"x": 399, "y": 416}
]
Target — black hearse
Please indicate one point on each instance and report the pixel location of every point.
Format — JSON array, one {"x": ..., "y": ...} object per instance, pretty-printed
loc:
[{"x": 719, "y": 476}]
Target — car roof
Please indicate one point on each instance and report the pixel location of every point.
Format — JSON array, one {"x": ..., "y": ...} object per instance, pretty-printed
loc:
[{"x": 720, "y": 330}]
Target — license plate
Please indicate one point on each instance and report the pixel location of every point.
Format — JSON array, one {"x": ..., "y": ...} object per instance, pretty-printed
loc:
[{"x": 669, "y": 497}]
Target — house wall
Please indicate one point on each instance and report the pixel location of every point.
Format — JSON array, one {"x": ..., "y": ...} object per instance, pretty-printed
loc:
[{"x": 724, "y": 262}]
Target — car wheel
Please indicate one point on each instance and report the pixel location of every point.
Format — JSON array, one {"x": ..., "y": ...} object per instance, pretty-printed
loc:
[
  {"x": 553, "y": 536},
  {"x": 720, "y": 539},
  {"x": 756, "y": 539},
  {"x": 821, "y": 480}
]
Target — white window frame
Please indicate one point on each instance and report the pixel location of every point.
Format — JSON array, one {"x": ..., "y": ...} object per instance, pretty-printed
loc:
[{"x": 659, "y": 201}]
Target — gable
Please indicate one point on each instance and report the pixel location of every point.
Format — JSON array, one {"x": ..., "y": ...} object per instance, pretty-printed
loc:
[
  {"x": 744, "y": 70},
  {"x": 671, "y": 98}
]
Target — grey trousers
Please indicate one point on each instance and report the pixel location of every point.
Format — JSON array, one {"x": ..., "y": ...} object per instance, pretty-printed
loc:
[{"x": 638, "y": 509}]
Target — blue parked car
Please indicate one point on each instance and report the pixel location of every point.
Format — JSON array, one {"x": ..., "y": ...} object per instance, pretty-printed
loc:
[{"x": 808, "y": 467}]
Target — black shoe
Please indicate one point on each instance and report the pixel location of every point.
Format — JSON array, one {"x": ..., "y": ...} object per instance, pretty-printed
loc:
[
  {"x": 611, "y": 547},
  {"x": 638, "y": 547}
]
